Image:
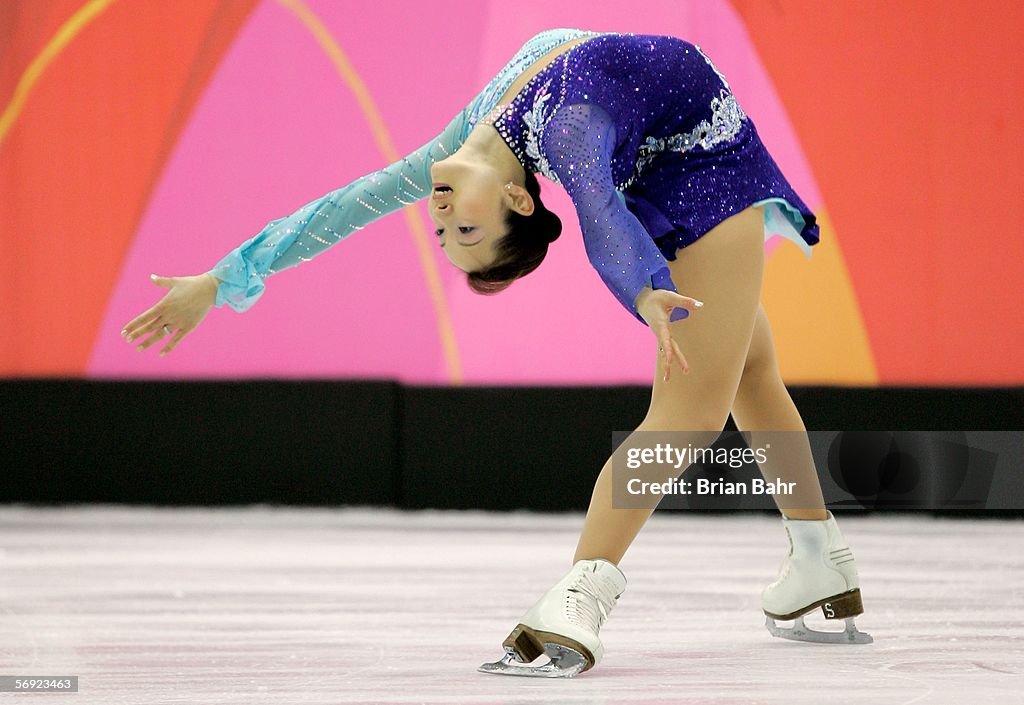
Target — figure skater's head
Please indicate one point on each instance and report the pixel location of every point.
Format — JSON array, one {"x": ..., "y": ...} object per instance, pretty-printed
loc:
[{"x": 494, "y": 228}]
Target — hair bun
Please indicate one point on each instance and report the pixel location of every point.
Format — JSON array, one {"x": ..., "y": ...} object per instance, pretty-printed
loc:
[{"x": 551, "y": 226}]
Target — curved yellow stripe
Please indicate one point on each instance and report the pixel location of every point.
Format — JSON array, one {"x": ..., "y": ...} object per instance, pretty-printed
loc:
[
  {"x": 817, "y": 322},
  {"x": 362, "y": 95},
  {"x": 72, "y": 26}
]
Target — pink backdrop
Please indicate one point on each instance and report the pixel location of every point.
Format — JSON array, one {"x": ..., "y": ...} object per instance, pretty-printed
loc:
[
  {"x": 156, "y": 137},
  {"x": 246, "y": 156}
]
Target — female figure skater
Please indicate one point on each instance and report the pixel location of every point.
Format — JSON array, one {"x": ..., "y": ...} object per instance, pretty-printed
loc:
[{"x": 671, "y": 184}]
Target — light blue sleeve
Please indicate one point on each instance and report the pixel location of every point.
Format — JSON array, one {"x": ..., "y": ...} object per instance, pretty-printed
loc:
[
  {"x": 578, "y": 143},
  {"x": 328, "y": 220}
]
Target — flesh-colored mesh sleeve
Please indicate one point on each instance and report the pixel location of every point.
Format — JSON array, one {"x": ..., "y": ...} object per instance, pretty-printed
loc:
[{"x": 578, "y": 143}]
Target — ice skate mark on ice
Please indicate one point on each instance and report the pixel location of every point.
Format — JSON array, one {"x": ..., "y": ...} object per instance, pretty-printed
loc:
[
  {"x": 993, "y": 668},
  {"x": 925, "y": 684}
]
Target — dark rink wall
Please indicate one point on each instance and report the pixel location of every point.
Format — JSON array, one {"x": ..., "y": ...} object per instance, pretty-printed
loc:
[{"x": 385, "y": 444}]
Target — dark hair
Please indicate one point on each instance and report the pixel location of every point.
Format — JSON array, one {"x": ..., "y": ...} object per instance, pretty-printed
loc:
[{"x": 524, "y": 246}]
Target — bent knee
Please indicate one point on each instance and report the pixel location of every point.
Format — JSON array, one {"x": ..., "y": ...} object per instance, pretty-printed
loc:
[
  {"x": 754, "y": 375},
  {"x": 760, "y": 365},
  {"x": 709, "y": 420},
  {"x": 760, "y": 362}
]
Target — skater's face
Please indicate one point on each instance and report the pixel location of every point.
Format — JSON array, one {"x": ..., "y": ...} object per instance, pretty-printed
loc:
[{"x": 469, "y": 207}]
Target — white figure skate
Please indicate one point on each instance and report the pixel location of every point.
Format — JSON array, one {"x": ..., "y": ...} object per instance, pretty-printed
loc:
[
  {"x": 563, "y": 624},
  {"x": 818, "y": 572}
]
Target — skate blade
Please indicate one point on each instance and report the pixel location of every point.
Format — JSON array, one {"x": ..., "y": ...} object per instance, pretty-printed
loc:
[
  {"x": 801, "y": 632},
  {"x": 563, "y": 662}
]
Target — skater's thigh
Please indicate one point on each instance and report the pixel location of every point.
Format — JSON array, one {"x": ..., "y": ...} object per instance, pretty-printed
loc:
[
  {"x": 761, "y": 364},
  {"x": 724, "y": 269}
]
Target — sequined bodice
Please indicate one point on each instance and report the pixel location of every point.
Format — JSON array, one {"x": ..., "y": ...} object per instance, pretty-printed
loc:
[{"x": 661, "y": 93}]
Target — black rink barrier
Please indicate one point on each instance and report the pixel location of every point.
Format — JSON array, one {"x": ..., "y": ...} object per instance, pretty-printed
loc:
[{"x": 381, "y": 443}]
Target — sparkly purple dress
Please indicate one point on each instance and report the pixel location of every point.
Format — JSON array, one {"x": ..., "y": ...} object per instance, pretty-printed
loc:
[
  {"x": 642, "y": 131},
  {"x": 649, "y": 118}
]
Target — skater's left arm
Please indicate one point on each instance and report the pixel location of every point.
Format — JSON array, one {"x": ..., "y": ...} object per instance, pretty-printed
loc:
[{"x": 578, "y": 142}]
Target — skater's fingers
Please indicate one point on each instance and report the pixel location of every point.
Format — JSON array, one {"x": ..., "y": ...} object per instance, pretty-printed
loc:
[
  {"x": 159, "y": 334},
  {"x": 682, "y": 358},
  {"x": 671, "y": 352},
  {"x": 687, "y": 303},
  {"x": 137, "y": 326},
  {"x": 178, "y": 335},
  {"x": 146, "y": 329},
  {"x": 143, "y": 329},
  {"x": 165, "y": 282},
  {"x": 677, "y": 306},
  {"x": 667, "y": 348}
]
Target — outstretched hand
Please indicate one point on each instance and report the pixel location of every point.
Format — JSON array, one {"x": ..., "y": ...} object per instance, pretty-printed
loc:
[
  {"x": 176, "y": 314},
  {"x": 655, "y": 306}
]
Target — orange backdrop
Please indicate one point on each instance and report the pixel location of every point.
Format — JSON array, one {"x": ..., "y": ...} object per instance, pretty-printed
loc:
[{"x": 908, "y": 114}]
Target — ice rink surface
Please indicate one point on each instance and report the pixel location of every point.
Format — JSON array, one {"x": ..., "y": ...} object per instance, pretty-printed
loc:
[{"x": 310, "y": 606}]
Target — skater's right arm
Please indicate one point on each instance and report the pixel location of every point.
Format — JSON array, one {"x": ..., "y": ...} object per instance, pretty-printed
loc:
[
  {"x": 237, "y": 279},
  {"x": 326, "y": 221},
  {"x": 318, "y": 225}
]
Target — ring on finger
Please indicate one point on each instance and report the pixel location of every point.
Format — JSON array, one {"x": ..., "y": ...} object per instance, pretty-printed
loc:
[{"x": 167, "y": 330}]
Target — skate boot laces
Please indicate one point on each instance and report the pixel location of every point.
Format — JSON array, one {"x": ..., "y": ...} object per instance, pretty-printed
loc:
[{"x": 588, "y": 602}]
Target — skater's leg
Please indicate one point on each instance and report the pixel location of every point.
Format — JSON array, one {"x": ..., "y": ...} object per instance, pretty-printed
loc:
[
  {"x": 819, "y": 570},
  {"x": 764, "y": 408},
  {"x": 724, "y": 270}
]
